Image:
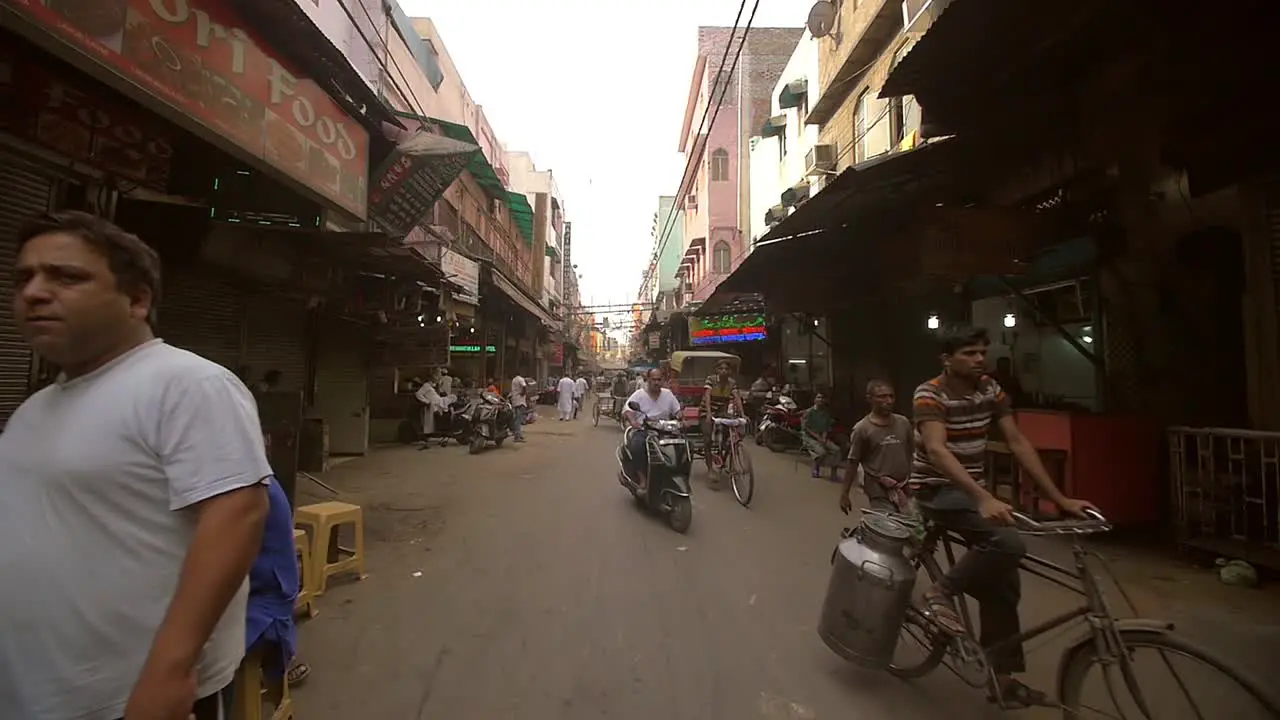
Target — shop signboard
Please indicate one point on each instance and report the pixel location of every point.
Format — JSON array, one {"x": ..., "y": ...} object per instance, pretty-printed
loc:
[
  {"x": 655, "y": 340},
  {"x": 413, "y": 177},
  {"x": 473, "y": 349},
  {"x": 197, "y": 57},
  {"x": 462, "y": 271},
  {"x": 61, "y": 110},
  {"x": 719, "y": 329},
  {"x": 557, "y": 354}
]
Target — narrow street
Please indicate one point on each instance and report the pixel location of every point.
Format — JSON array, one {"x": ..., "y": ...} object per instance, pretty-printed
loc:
[{"x": 523, "y": 583}]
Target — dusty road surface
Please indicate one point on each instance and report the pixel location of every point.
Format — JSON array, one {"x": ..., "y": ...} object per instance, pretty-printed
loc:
[{"x": 523, "y": 583}]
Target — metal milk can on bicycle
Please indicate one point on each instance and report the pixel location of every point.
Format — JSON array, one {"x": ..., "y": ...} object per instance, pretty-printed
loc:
[{"x": 869, "y": 591}]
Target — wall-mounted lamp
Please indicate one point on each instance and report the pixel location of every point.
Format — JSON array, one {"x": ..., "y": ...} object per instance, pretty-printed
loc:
[
  {"x": 934, "y": 323},
  {"x": 1010, "y": 320}
]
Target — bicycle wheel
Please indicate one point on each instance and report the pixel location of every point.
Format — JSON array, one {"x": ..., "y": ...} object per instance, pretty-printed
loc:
[
  {"x": 741, "y": 475},
  {"x": 928, "y": 637},
  {"x": 1182, "y": 695}
]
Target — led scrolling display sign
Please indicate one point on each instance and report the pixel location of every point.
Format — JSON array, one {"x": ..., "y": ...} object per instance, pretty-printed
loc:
[{"x": 728, "y": 329}]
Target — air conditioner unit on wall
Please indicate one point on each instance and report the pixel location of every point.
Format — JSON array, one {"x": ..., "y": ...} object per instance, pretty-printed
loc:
[{"x": 820, "y": 160}]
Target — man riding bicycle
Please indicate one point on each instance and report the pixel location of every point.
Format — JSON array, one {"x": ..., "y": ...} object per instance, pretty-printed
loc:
[
  {"x": 720, "y": 392},
  {"x": 953, "y": 414}
]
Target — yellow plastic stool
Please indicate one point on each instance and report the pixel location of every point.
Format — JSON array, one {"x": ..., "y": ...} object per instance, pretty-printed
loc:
[
  {"x": 251, "y": 690},
  {"x": 305, "y": 603},
  {"x": 322, "y": 521}
]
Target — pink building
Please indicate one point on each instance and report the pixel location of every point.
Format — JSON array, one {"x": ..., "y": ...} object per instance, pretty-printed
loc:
[{"x": 716, "y": 188}]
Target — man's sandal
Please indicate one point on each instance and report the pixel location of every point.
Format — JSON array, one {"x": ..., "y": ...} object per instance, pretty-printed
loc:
[
  {"x": 298, "y": 673},
  {"x": 1015, "y": 695}
]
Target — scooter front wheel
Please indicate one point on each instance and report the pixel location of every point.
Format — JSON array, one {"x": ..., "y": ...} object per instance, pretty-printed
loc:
[
  {"x": 681, "y": 515},
  {"x": 477, "y": 444}
]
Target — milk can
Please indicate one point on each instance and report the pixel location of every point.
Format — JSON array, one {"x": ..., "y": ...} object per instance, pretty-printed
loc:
[{"x": 868, "y": 594}]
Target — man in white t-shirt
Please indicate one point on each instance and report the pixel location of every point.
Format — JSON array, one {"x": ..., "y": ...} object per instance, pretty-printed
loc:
[
  {"x": 580, "y": 388},
  {"x": 656, "y": 403},
  {"x": 519, "y": 406},
  {"x": 132, "y": 496}
]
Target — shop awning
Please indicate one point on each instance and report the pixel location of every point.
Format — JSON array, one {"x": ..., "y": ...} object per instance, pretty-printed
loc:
[
  {"x": 405, "y": 188},
  {"x": 843, "y": 220},
  {"x": 552, "y": 252},
  {"x": 774, "y": 126},
  {"x": 793, "y": 94},
  {"x": 518, "y": 296},
  {"x": 521, "y": 214},
  {"x": 796, "y": 194},
  {"x": 972, "y": 45},
  {"x": 367, "y": 252}
]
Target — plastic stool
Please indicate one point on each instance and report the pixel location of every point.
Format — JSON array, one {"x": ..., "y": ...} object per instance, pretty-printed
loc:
[
  {"x": 323, "y": 520},
  {"x": 305, "y": 603},
  {"x": 250, "y": 690}
]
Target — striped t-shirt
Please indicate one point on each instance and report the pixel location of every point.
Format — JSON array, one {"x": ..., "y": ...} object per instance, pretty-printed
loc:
[{"x": 967, "y": 419}]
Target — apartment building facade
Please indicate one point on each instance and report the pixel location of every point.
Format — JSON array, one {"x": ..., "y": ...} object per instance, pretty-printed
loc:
[{"x": 716, "y": 188}]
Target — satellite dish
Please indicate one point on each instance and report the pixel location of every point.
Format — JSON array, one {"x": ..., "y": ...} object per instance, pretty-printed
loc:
[{"x": 822, "y": 18}]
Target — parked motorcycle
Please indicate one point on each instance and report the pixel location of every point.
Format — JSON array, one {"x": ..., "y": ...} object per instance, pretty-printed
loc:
[
  {"x": 669, "y": 461},
  {"x": 779, "y": 428},
  {"x": 488, "y": 420}
]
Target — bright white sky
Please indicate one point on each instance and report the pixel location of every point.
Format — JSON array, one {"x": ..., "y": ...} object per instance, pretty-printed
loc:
[{"x": 595, "y": 91}]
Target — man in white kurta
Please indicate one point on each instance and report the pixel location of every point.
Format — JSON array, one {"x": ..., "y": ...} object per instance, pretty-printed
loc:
[
  {"x": 580, "y": 388},
  {"x": 564, "y": 398}
]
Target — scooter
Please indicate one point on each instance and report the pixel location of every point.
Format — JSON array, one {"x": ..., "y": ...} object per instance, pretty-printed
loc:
[
  {"x": 489, "y": 422},
  {"x": 670, "y": 463},
  {"x": 452, "y": 423}
]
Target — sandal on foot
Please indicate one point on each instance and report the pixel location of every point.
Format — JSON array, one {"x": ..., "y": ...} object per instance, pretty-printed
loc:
[
  {"x": 943, "y": 613},
  {"x": 298, "y": 673},
  {"x": 1015, "y": 695}
]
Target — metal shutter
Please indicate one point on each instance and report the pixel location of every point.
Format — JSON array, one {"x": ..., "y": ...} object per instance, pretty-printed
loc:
[
  {"x": 24, "y": 192},
  {"x": 203, "y": 315},
  {"x": 342, "y": 384},
  {"x": 276, "y": 339}
]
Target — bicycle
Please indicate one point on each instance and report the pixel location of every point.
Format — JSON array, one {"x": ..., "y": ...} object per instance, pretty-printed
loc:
[
  {"x": 1109, "y": 643},
  {"x": 732, "y": 458}
]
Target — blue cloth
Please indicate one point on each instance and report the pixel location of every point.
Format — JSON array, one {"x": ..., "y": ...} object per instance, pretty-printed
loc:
[{"x": 273, "y": 587}]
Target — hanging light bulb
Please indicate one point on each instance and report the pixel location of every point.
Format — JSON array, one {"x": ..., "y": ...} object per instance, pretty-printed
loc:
[
  {"x": 1010, "y": 320},
  {"x": 439, "y": 318},
  {"x": 472, "y": 331},
  {"x": 934, "y": 323}
]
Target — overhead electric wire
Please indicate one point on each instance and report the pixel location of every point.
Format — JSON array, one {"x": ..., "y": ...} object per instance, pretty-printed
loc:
[{"x": 700, "y": 147}]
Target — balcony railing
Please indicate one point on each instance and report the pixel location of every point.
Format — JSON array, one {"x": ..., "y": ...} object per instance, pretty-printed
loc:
[{"x": 501, "y": 246}]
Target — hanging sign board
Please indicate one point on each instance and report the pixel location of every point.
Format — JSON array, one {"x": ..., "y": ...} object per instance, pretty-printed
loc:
[{"x": 719, "y": 329}]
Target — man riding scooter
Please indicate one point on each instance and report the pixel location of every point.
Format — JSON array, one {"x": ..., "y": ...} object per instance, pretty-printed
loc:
[{"x": 656, "y": 403}]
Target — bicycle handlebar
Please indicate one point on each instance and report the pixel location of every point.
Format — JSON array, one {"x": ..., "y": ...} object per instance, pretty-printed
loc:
[{"x": 1093, "y": 522}]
